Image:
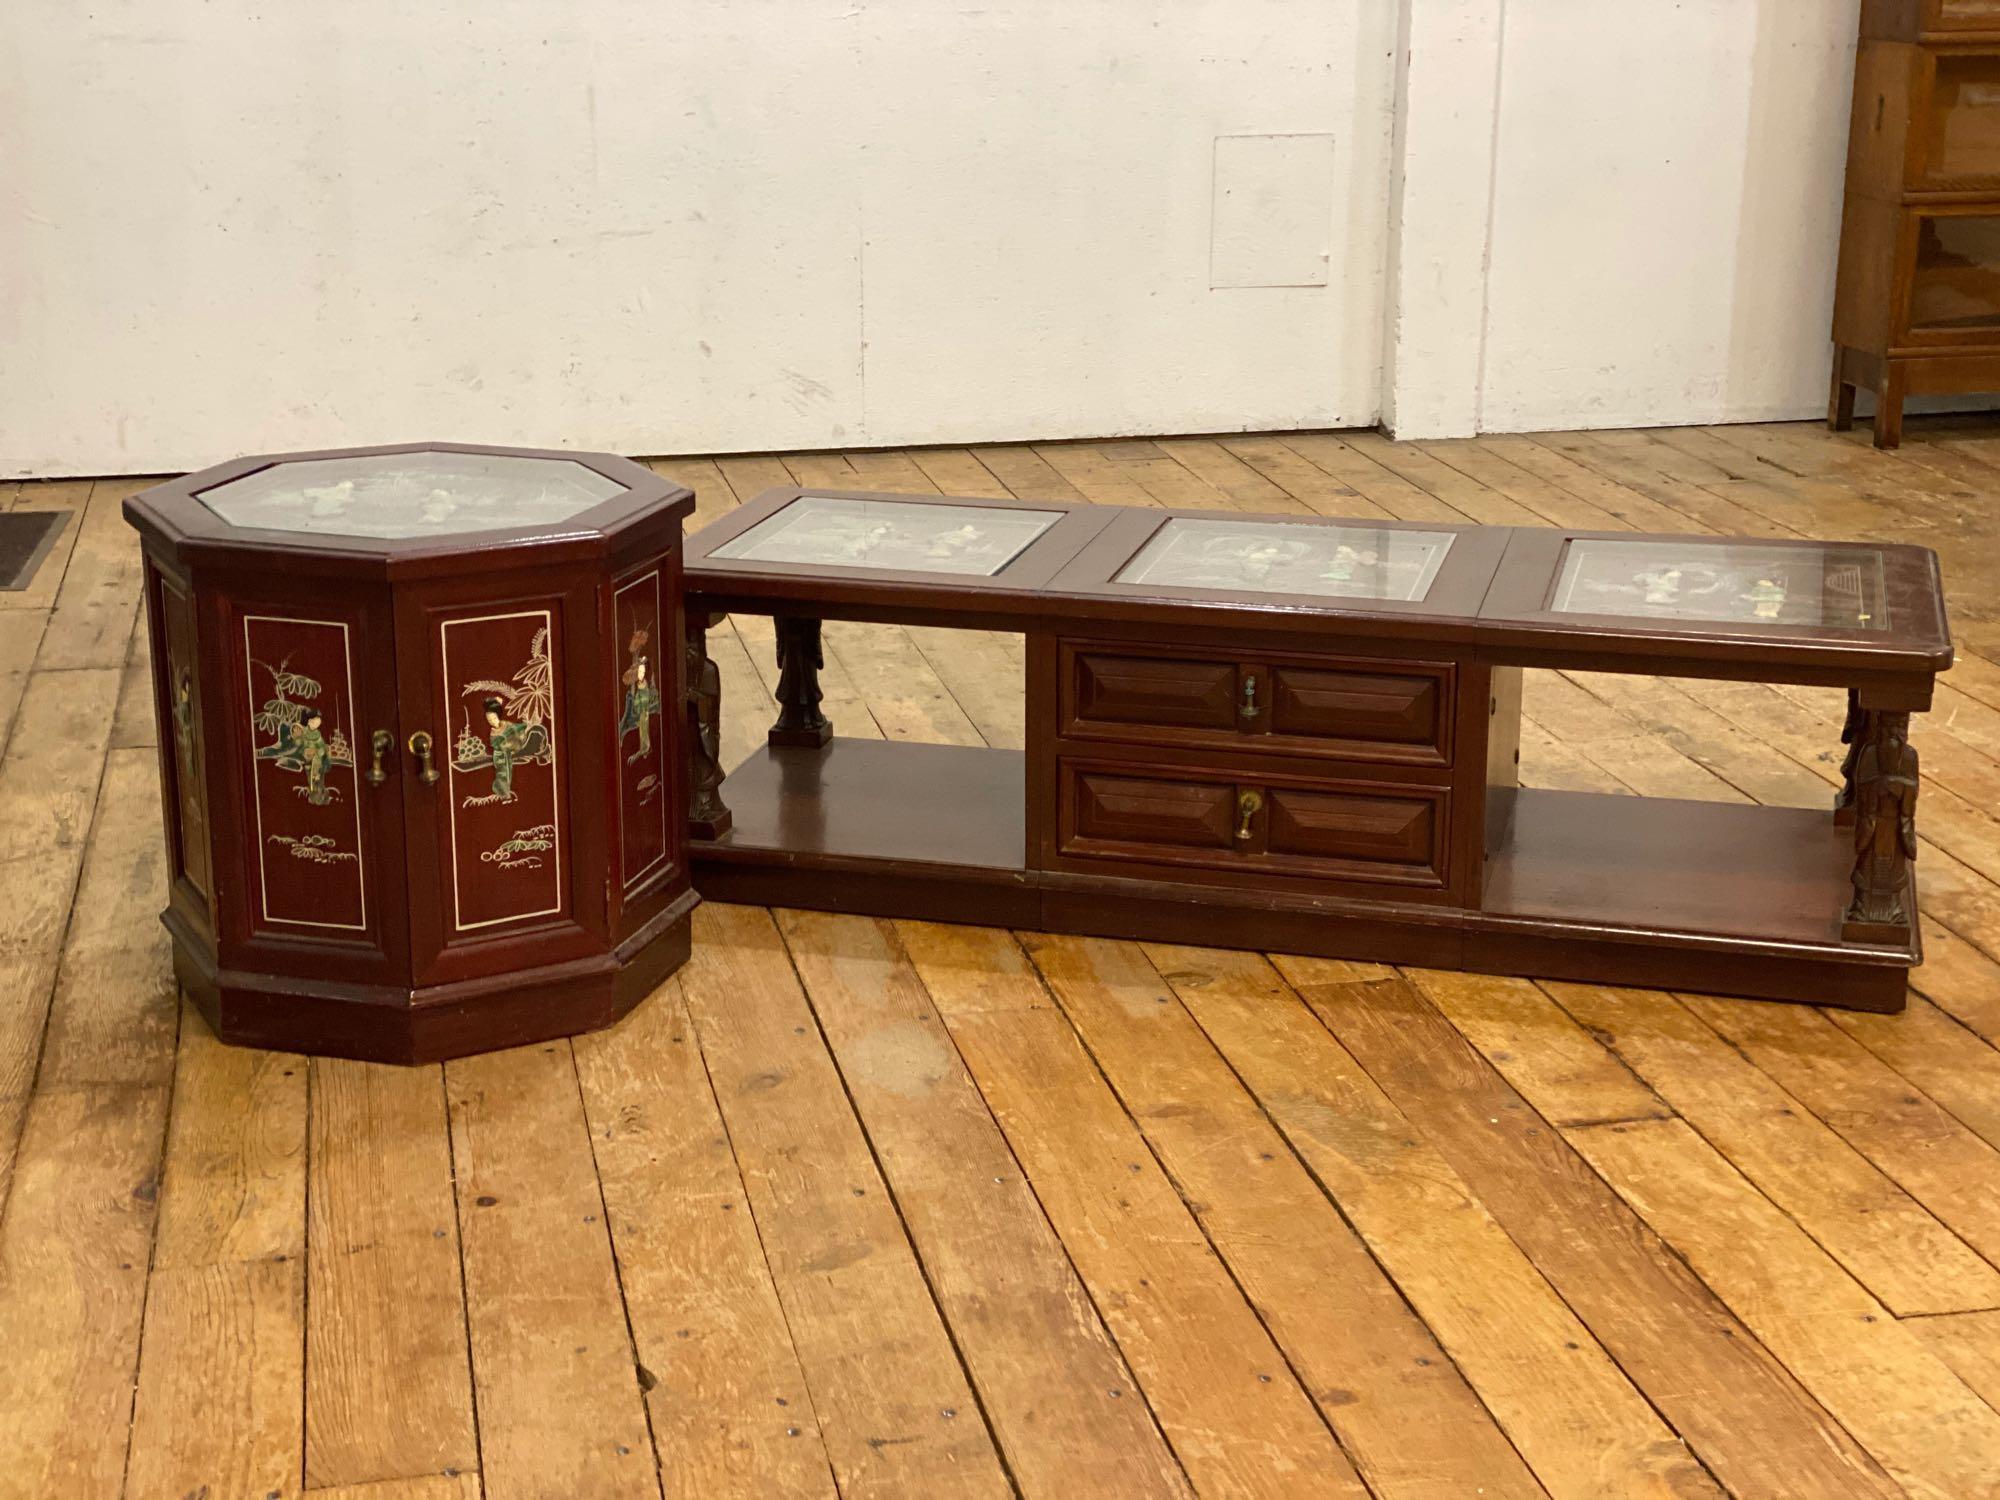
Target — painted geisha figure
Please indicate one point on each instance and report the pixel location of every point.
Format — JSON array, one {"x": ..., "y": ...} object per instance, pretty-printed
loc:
[
  {"x": 301, "y": 747},
  {"x": 507, "y": 742},
  {"x": 642, "y": 706}
]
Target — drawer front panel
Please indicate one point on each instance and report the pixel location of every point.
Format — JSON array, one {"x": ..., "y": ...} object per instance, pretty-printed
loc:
[
  {"x": 1145, "y": 810},
  {"x": 1376, "y": 832},
  {"x": 1395, "y": 712},
  {"x": 1389, "y": 829},
  {"x": 1147, "y": 691},
  {"x": 1308, "y": 702}
]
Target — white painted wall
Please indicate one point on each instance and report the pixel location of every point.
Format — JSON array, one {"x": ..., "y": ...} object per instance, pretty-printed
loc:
[
  {"x": 681, "y": 225},
  {"x": 715, "y": 225},
  {"x": 1666, "y": 211}
]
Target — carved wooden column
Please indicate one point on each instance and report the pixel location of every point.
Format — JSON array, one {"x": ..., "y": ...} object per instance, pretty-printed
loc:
[
  {"x": 1884, "y": 810},
  {"x": 1852, "y": 734},
  {"x": 708, "y": 817},
  {"x": 799, "y": 661}
]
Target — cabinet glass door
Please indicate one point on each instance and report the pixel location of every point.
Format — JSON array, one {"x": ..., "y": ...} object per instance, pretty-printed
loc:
[
  {"x": 1955, "y": 279},
  {"x": 315, "y": 832},
  {"x": 1963, "y": 135},
  {"x": 491, "y": 753}
]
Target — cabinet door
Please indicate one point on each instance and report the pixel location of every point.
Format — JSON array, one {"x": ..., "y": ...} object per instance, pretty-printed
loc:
[
  {"x": 177, "y": 687},
  {"x": 314, "y": 844},
  {"x": 498, "y": 864},
  {"x": 644, "y": 716}
]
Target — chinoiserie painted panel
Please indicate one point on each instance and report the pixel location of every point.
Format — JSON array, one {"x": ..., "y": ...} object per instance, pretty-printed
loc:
[
  {"x": 645, "y": 787},
  {"x": 504, "y": 807},
  {"x": 309, "y": 865},
  {"x": 181, "y": 730}
]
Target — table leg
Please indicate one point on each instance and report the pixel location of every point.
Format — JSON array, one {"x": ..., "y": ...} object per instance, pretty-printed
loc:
[
  {"x": 1840, "y": 405},
  {"x": 1884, "y": 808},
  {"x": 799, "y": 661},
  {"x": 708, "y": 817}
]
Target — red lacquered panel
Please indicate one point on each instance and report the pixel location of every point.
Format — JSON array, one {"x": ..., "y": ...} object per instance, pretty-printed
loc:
[
  {"x": 308, "y": 861},
  {"x": 506, "y": 838},
  {"x": 181, "y": 736},
  {"x": 640, "y": 733}
]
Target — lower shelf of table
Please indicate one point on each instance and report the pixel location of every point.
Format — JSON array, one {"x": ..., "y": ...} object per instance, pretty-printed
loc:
[{"x": 1722, "y": 898}]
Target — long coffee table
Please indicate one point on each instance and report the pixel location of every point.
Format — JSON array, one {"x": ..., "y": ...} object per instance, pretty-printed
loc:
[{"x": 1302, "y": 735}]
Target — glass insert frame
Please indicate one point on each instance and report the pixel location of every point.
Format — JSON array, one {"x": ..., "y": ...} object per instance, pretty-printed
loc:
[
  {"x": 430, "y": 493},
  {"x": 1954, "y": 290},
  {"x": 1800, "y": 585},
  {"x": 1960, "y": 95},
  {"x": 1315, "y": 559},
  {"x": 1963, "y": 15},
  {"x": 891, "y": 536}
]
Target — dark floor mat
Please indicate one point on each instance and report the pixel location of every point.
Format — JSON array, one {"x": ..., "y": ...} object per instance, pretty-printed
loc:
[{"x": 25, "y": 539}]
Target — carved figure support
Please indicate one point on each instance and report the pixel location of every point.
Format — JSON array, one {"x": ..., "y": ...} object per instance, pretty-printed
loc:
[
  {"x": 1852, "y": 735},
  {"x": 799, "y": 661},
  {"x": 1884, "y": 907},
  {"x": 708, "y": 816}
]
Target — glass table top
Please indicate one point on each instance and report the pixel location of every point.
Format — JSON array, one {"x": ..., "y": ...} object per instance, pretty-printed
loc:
[
  {"x": 1732, "y": 582},
  {"x": 1288, "y": 557},
  {"x": 399, "y": 495},
  {"x": 828, "y": 531}
]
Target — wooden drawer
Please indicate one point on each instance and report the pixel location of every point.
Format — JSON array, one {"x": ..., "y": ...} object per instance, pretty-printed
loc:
[
  {"x": 1343, "y": 830},
  {"x": 1347, "y": 708}
]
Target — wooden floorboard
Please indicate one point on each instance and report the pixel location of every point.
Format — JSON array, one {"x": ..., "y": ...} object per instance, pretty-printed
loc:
[{"x": 866, "y": 1208}]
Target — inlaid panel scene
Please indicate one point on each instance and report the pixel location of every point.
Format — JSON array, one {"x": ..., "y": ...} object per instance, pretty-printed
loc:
[
  {"x": 1287, "y": 557},
  {"x": 644, "y": 787},
  {"x": 189, "y": 793},
  {"x": 827, "y": 531},
  {"x": 1754, "y": 584},
  {"x": 401, "y": 495},
  {"x": 505, "y": 803},
  {"x": 300, "y": 681}
]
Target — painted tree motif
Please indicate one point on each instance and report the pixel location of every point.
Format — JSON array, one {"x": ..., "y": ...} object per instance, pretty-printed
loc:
[
  {"x": 301, "y": 739},
  {"x": 516, "y": 718},
  {"x": 530, "y": 698}
]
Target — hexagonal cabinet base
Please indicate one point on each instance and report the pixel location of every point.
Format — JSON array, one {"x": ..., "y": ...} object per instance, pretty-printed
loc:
[
  {"x": 420, "y": 733},
  {"x": 380, "y": 1024}
]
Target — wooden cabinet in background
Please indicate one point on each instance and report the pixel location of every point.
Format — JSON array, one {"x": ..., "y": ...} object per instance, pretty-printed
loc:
[{"x": 1917, "y": 307}]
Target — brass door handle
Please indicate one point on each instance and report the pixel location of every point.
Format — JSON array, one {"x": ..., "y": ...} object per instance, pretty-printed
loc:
[
  {"x": 380, "y": 743},
  {"x": 420, "y": 746},
  {"x": 1248, "y": 708},
  {"x": 1248, "y": 805}
]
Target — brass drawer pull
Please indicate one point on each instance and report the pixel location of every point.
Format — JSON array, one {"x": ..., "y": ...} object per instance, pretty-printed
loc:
[
  {"x": 379, "y": 743},
  {"x": 1248, "y": 805},
  {"x": 420, "y": 746},
  {"x": 1249, "y": 708}
]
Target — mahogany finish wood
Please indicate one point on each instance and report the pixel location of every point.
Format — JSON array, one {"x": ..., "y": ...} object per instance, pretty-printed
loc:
[
  {"x": 1335, "y": 775},
  {"x": 1353, "y": 710},
  {"x": 1917, "y": 300},
  {"x": 424, "y": 795}
]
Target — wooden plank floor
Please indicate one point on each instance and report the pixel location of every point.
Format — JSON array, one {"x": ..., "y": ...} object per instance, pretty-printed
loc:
[{"x": 894, "y": 1209}]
